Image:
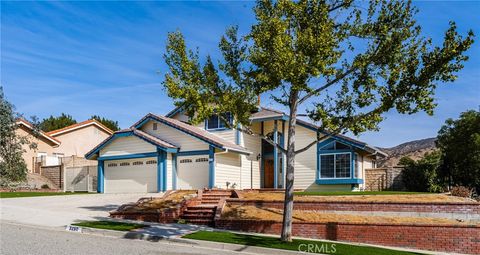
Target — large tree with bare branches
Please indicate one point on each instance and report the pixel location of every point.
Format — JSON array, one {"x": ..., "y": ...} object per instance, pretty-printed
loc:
[{"x": 349, "y": 62}]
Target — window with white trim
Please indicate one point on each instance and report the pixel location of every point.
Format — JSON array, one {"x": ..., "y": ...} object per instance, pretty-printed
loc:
[
  {"x": 215, "y": 122},
  {"x": 335, "y": 165}
]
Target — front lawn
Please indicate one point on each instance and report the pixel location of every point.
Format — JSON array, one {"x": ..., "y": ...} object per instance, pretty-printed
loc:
[
  {"x": 36, "y": 194},
  {"x": 355, "y": 193},
  {"x": 295, "y": 245},
  {"x": 111, "y": 225}
]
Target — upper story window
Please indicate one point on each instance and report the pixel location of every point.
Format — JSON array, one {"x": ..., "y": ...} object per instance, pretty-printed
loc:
[{"x": 215, "y": 122}]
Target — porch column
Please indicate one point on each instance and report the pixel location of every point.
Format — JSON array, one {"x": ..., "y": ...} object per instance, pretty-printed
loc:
[
  {"x": 174, "y": 171},
  {"x": 275, "y": 154},
  {"x": 100, "y": 177},
  {"x": 211, "y": 167},
  {"x": 161, "y": 169}
]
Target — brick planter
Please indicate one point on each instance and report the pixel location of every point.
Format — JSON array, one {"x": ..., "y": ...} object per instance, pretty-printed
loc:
[
  {"x": 461, "y": 208},
  {"x": 445, "y": 238}
]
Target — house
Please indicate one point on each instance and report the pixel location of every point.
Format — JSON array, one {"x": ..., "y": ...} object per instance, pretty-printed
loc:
[
  {"x": 74, "y": 140},
  {"x": 160, "y": 153}
]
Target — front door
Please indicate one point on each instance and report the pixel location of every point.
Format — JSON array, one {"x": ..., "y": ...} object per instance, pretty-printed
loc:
[{"x": 268, "y": 174}]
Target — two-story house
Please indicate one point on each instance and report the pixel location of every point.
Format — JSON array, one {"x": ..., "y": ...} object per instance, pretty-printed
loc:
[{"x": 160, "y": 153}]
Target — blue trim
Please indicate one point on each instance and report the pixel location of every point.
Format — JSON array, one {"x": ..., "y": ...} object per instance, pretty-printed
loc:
[
  {"x": 275, "y": 155},
  {"x": 164, "y": 171},
  {"x": 100, "y": 177},
  {"x": 334, "y": 151},
  {"x": 159, "y": 171},
  {"x": 211, "y": 167},
  {"x": 237, "y": 134},
  {"x": 357, "y": 145},
  {"x": 174, "y": 171},
  {"x": 172, "y": 126},
  {"x": 193, "y": 153},
  {"x": 125, "y": 134},
  {"x": 339, "y": 181},
  {"x": 130, "y": 156},
  {"x": 352, "y": 165}
]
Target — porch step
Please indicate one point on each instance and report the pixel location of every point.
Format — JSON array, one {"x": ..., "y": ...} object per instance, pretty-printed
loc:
[
  {"x": 208, "y": 222},
  {"x": 198, "y": 217},
  {"x": 201, "y": 207}
]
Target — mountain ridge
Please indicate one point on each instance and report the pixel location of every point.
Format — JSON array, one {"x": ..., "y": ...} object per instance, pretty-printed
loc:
[{"x": 415, "y": 149}]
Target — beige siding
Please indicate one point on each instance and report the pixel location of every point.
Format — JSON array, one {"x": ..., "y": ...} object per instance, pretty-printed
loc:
[
  {"x": 127, "y": 145},
  {"x": 227, "y": 169},
  {"x": 250, "y": 164},
  {"x": 169, "y": 172},
  {"x": 181, "y": 117},
  {"x": 228, "y": 135},
  {"x": 305, "y": 162},
  {"x": 185, "y": 141},
  {"x": 80, "y": 141}
]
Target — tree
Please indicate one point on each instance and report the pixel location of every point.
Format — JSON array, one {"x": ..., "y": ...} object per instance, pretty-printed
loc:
[
  {"x": 422, "y": 175},
  {"x": 53, "y": 123},
  {"x": 111, "y": 124},
  {"x": 350, "y": 63},
  {"x": 12, "y": 165},
  {"x": 459, "y": 143}
]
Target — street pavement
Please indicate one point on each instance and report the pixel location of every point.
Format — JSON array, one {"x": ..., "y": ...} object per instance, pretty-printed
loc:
[{"x": 16, "y": 239}]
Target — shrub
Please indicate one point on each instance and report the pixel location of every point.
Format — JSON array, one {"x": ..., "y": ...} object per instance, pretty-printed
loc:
[
  {"x": 45, "y": 186},
  {"x": 421, "y": 175},
  {"x": 462, "y": 191}
]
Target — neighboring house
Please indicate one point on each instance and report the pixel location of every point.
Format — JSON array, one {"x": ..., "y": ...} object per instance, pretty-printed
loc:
[
  {"x": 166, "y": 153},
  {"x": 74, "y": 140}
]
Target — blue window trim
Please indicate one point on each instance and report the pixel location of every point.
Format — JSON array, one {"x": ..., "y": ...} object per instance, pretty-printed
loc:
[
  {"x": 230, "y": 119},
  {"x": 193, "y": 153},
  {"x": 349, "y": 180}
]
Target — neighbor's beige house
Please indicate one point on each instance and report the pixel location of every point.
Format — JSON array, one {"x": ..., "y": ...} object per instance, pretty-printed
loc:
[{"x": 74, "y": 140}]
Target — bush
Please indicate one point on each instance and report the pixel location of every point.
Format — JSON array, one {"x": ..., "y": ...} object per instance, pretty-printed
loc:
[
  {"x": 45, "y": 186},
  {"x": 421, "y": 175},
  {"x": 462, "y": 191}
]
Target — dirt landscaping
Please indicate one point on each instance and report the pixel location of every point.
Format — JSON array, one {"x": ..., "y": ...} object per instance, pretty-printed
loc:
[
  {"x": 246, "y": 212},
  {"x": 413, "y": 198},
  {"x": 168, "y": 201}
]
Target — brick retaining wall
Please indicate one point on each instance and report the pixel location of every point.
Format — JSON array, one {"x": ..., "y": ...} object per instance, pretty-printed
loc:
[
  {"x": 447, "y": 238},
  {"x": 431, "y": 207}
]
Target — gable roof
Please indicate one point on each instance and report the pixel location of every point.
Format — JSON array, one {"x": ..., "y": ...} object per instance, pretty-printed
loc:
[
  {"x": 27, "y": 124},
  {"x": 193, "y": 131},
  {"x": 137, "y": 133},
  {"x": 80, "y": 125}
]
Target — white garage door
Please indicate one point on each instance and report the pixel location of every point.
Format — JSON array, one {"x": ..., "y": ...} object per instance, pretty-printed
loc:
[
  {"x": 131, "y": 176},
  {"x": 192, "y": 172}
]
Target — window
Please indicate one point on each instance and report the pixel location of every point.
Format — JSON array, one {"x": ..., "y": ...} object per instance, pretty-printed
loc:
[
  {"x": 137, "y": 163},
  {"x": 125, "y": 164},
  {"x": 155, "y": 126},
  {"x": 215, "y": 122},
  {"x": 201, "y": 160},
  {"x": 112, "y": 164},
  {"x": 183, "y": 161},
  {"x": 336, "y": 165},
  {"x": 151, "y": 162}
]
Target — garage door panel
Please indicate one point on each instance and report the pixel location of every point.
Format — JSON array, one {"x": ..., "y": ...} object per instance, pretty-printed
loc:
[
  {"x": 192, "y": 172},
  {"x": 130, "y": 176}
]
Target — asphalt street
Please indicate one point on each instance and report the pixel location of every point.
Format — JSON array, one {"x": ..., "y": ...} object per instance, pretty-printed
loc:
[{"x": 19, "y": 239}]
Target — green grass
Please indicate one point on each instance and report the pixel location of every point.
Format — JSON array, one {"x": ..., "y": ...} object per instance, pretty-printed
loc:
[
  {"x": 111, "y": 225},
  {"x": 355, "y": 193},
  {"x": 36, "y": 194},
  {"x": 275, "y": 243}
]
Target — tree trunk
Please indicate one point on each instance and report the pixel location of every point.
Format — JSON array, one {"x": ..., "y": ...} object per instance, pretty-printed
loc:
[{"x": 288, "y": 204}]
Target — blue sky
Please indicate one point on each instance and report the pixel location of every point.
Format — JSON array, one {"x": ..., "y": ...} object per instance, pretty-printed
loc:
[{"x": 105, "y": 58}]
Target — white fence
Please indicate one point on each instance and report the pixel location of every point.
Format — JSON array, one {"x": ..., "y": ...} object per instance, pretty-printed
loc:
[{"x": 80, "y": 178}]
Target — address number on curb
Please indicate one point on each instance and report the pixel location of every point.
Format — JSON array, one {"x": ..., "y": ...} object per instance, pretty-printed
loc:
[{"x": 73, "y": 228}]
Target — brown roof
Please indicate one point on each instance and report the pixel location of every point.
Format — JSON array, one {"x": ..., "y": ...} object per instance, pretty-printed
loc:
[
  {"x": 78, "y": 125},
  {"x": 30, "y": 126},
  {"x": 197, "y": 132},
  {"x": 266, "y": 113}
]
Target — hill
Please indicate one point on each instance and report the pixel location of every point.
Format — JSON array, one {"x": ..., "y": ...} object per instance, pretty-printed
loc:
[{"x": 414, "y": 149}]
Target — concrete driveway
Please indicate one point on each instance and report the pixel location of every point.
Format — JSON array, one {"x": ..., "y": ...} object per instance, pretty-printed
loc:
[{"x": 57, "y": 211}]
